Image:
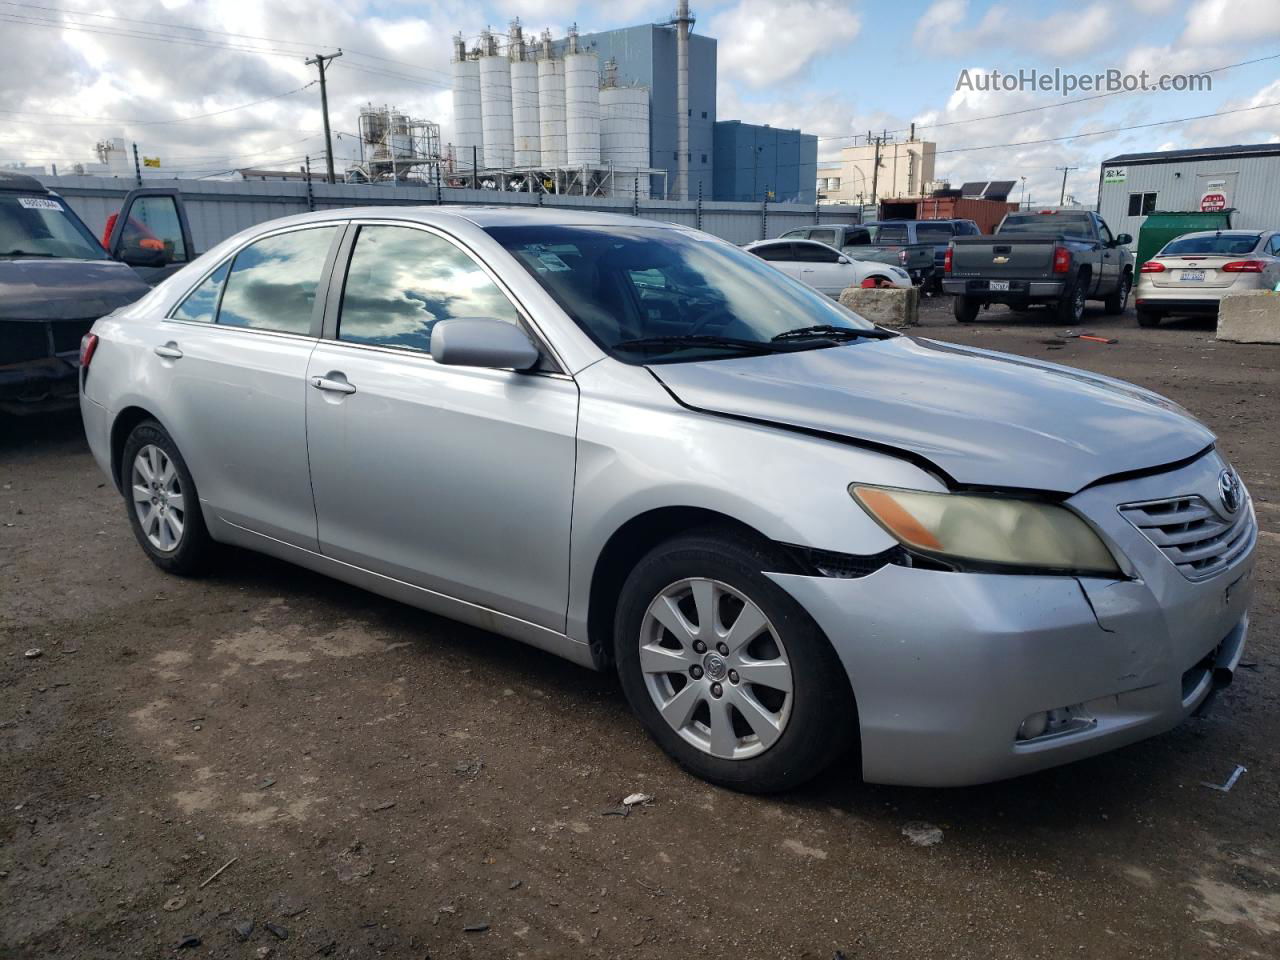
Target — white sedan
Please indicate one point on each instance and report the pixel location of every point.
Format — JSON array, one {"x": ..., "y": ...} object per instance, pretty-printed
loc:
[{"x": 825, "y": 268}]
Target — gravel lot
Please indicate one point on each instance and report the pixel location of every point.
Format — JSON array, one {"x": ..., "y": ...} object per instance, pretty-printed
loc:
[{"x": 382, "y": 780}]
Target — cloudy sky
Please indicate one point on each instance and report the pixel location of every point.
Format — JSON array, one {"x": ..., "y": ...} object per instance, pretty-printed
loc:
[{"x": 215, "y": 84}]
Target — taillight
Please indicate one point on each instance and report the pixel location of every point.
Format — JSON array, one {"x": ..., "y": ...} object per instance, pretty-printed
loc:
[
  {"x": 88, "y": 344},
  {"x": 1152, "y": 266},
  {"x": 1243, "y": 266},
  {"x": 902, "y": 257},
  {"x": 946, "y": 261},
  {"x": 1061, "y": 260}
]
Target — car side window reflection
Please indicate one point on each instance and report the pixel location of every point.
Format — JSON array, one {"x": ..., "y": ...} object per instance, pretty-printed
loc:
[
  {"x": 272, "y": 284},
  {"x": 402, "y": 281},
  {"x": 201, "y": 303}
]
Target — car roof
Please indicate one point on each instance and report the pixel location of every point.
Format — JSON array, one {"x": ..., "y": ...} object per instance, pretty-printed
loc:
[
  {"x": 20, "y": 183},
  {"x": 481, "y": 216}
]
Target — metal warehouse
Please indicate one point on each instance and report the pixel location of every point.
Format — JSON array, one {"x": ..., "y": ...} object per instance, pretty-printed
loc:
[{"x": 1244, "y": 177}]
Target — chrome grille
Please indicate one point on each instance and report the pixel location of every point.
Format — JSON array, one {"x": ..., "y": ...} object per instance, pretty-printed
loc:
[{"x": 1195, "y": 537}]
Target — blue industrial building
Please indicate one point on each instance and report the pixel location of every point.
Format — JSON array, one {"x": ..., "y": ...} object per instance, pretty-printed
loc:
[
  {"x": 646, "y": 55},
  {"x": 728, "y": 160},
  {"x": 754, "y": 162}
]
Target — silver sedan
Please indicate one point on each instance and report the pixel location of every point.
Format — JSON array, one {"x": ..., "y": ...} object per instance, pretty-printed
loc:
[
  {"x": 797, "y": 538},
  {"x": 1192, "y": 273}
]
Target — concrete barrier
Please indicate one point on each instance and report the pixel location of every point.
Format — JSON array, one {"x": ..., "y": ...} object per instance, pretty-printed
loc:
[
  {"x": 1252, "y": 317},
  {"x": 887, "y": 306}
]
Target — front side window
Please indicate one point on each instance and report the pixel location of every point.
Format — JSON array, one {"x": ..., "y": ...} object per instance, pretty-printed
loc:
[
  {"x": 715, "y": 300},
  {"x": 816, "y": 253},
  {"x": 272, "y": 283},
  {"x": 402, "y": 282},
  {"x": 152, "y": 235},
  {"x": 201, "y": 303}
]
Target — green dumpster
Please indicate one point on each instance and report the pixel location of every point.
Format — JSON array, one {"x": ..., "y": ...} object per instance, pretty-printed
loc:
[{"x": 1161, "y": 227}]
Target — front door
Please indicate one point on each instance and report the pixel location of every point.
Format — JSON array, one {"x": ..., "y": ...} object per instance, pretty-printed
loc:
[
  {"x": 456, "y": 479},
  {"x": 231, "y": 361}
]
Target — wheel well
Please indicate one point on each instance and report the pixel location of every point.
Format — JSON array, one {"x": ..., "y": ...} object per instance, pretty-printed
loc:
[
  {"x": 125, "y": 421},
  {"x": 629, "y": 544}
]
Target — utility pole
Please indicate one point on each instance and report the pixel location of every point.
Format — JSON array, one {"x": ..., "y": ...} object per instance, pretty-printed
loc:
[
  {"x": 1023, "y": 200},
  {"x": 320, "y": 59},
  {"x": 1065, "y": 170},
  {"x": 137, "y": 167},
  {"x": 875, "y": 172}
]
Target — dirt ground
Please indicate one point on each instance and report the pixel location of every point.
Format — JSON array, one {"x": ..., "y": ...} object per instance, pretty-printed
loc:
[{"x": 388, "y": 783}]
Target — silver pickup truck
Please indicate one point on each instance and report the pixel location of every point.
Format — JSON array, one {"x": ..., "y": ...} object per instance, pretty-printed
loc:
[{"x": 1058, "y": 258}]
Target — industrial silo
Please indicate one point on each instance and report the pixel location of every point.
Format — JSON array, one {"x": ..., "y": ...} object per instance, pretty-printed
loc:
[
  {"x": 467, "y": 121},
  {"x": 495, "y": 105},
  {"x": 624, "y": 138},
  {"x": 524, "y": 105},
  {"x": 551, "y": 120},
  {"x": 582, "y": 105}
]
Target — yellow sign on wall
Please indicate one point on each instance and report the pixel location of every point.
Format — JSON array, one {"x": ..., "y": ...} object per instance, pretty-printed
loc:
[{"x": 151, "y": 161}]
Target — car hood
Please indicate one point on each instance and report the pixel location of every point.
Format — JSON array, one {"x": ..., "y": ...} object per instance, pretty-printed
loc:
[
  {"x": 38, "y": 289},
  {"x": 980, "y": 418}
]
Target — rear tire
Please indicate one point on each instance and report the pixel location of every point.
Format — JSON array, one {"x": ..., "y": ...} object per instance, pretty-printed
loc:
[
  {"x": 162, "y": 502},
  {"x": 1116, "y": 302},
  {"x": 1149, "y": 318},
  {"x": 1070, "y": 309},
  {"x": 966, "y": 309},
  {"x": 752, "y": 736}
]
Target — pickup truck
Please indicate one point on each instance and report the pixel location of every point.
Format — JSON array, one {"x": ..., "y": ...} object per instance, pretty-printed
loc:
[
  {"x": 57, "y": 278},
  {"x": 1058, "y": 258},
  {"x": 875, "y": 242}
]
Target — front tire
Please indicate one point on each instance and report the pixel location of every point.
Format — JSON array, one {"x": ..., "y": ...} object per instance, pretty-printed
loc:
[
  {"x": 163, "y": 505},
  {"x": 731, "y": 677}
]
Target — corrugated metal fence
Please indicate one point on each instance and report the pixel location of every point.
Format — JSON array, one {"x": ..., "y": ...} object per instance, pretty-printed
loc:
[{"x": 219, "y": 208}]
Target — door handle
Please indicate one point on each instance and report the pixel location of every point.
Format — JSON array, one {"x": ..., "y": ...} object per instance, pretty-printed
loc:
[
  {"x": 332, "y": 386},
  {"x": 169, "y": 351}
]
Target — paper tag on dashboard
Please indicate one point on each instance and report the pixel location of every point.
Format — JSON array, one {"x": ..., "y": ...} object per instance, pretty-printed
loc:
[{"x": 39, "y": 203}]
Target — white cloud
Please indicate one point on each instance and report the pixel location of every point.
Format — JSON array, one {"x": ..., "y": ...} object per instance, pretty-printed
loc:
[
  {"x": 945, "y": 28},
  {"x": 1249, "y": 126},
  {"x": 763, "y": 42},
  {"x": 1231, "y": 22}
]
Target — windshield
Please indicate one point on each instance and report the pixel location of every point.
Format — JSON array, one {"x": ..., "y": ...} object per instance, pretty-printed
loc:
[
  {"x": 639, "y": 292},
  {"x": 1225, "y": 243},
  {"x": 1067, "y": 224},
  {"x": 43, "y": 227}
]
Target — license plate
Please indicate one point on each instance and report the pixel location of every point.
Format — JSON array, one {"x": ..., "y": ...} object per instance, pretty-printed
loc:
[
  {"x": 998, "y": 285},
  {"x": 1196, "y": 276}
]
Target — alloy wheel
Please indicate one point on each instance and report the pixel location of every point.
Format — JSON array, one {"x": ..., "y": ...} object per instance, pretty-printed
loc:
[
  {"x": 158, "y": 499},
  {"x": 715, "y": 668}
]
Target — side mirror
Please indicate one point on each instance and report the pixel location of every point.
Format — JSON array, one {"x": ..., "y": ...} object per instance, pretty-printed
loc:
[
  {"x": 1123, "y": 240},
  {"x": 142, "y": 256},
  {"x": 843, "y": 260},
  {"x": 482, "y": 342}
]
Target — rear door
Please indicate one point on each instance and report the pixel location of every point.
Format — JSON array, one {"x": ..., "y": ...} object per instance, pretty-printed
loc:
[
  {"x": 455, "y": 479},
  {"x": 231, "y": 362},
  {"x": 150, "y": 232}
]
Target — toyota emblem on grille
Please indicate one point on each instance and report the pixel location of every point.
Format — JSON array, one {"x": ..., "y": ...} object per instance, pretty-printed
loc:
[{"x": 1229, "y": 490}]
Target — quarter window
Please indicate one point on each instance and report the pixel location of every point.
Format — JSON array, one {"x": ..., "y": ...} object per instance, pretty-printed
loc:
[
  {"x": 272, "y": 284},
  {"x": 403, "y": 281},
  {"x": 202, "y": 302}
]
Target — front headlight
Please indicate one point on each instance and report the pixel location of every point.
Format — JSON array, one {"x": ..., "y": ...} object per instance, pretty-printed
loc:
[{"x": 990, "y": 530}]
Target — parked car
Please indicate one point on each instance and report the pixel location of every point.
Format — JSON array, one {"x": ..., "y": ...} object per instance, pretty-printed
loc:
[
  {"x": 1057, "y": 258},
  {"x": 631, "y": 444},
  {"x": 1192, "y": 273},
  {"x": 56, "y": 279},
  {"x": 825, "y": 268},
  {"x": 861, "y": 242},
  {"x": 939, "y": 233}
]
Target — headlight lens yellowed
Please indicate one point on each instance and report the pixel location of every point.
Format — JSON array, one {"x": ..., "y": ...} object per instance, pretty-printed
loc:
[{"x": 996, "y": 530}]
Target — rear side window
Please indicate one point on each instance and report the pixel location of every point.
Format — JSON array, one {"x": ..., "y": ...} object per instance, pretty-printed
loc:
[
  {"x": 933, "y": 232},
  {"x": 272, "y": 283},
  {"x": 777, "y": 252},
  {"x": 402, "y": 282},
  {"x": 202, "y": 302}
]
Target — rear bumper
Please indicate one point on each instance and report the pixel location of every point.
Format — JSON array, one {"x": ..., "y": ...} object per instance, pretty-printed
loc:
[
  {"x": 1019, "y": 290},
  {"x": 1176, "y": 302},
  {"x": 38, "y": 386}
]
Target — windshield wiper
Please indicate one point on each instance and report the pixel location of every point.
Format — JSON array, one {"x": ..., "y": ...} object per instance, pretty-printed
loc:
[
  {"x": 827, "y": 331},
  {"x": 29, "y": 253},
  {"x": 687, "y": 340}
]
